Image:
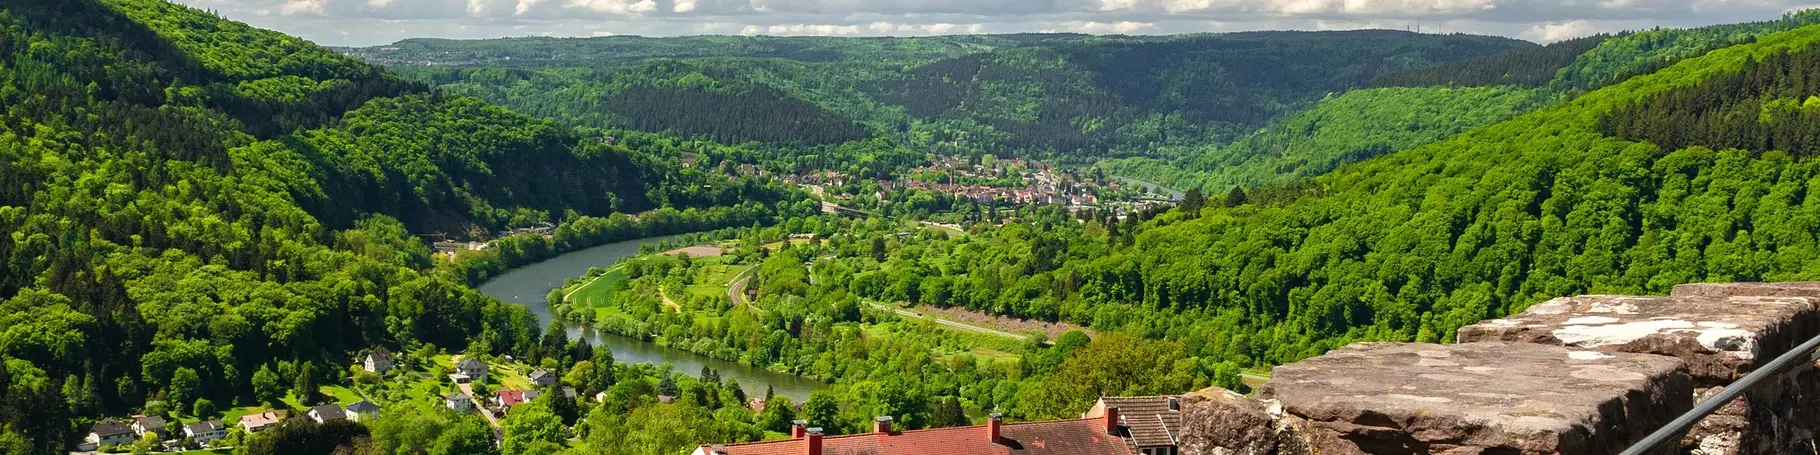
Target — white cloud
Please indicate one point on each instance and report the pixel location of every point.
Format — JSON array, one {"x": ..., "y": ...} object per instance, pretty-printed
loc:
[
  {"x": 616, "y": 6},
  {"x": 300, "y": 7},
  {"x": 683, "y": 6},
  {"x": 1549, "y": 33},
  {"x": 1101, "y": 28},
  {"x": 802, "y": 30}
]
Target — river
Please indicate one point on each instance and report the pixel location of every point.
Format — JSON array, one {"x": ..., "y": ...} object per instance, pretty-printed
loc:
[
  {"x": 1152, "y": 186},
  {"x": 529, "y": 284}
]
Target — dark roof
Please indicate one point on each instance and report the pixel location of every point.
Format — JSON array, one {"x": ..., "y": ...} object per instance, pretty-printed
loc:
[
  {"x": 153, "y": 423},
  {"x": 470, "y": 362},
  {"x": 1057, "y": 437},
  {"x": 538, "y": 374},
  {"x": 205, "y": 426},
  {"x": 568, "y": 392},
  {"x": 1149, "y": 419},
  {"x": 380, "y": 355},
  {"x": 109, "y": 428},
  {"x": 363, "y": 406},
  {"x": 330, "y": 412},
  {"x": 455, "y": 396}
]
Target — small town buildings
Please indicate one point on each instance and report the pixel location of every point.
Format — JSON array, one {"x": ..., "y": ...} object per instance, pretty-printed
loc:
[
  {"x": 473, "y": 368},
  {"x": 205, "y": 431},
  {"x": 254, "y": 423},
  {"x": 108, "y": 433},
  {"x": 149, "y": 424},
  {"x": 327, "y": 412},
  {"x": 458, "y": 401},
  {"x": 542, "y": 378},
  {"x": 363, "y": 411},
  {"x": 1149, "y": 425},
  {"x": 377, "y": 361},
  {"x": 1056, "y": 437}
]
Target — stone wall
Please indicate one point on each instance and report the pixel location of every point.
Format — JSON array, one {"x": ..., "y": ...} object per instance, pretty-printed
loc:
[{"x": 1575, "y": 375}]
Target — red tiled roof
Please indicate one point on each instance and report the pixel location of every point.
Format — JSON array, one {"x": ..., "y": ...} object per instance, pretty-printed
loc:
[{"x": 1058, "y": 437}]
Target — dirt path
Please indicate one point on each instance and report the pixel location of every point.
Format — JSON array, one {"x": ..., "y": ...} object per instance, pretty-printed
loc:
[{"x": 666, "y": 297}]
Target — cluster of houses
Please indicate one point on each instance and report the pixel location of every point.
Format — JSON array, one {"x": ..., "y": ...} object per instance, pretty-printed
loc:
[
  {"x": 110, "y": 432},
  {"x": 1114, "y": 426},
  {"x": 471, "y": 369}
]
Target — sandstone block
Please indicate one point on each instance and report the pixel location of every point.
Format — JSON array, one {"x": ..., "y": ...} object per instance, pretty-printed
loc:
[
  {"x": 1787, "y": 289},
  {"x": 1720, "y": 338},
  {"x": 1216, "y": 421},
  {"x": 1478, "y": 398}
]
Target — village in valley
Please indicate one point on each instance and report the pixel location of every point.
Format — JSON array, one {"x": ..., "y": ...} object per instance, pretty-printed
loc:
[{"x": 989, "y": 180}]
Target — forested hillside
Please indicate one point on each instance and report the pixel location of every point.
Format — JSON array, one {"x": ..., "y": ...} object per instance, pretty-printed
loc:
[
  {"x": 189, "y": 200},
  {"x": 1411, "y": 245},
  {"x": 1355, "y": 126},
  {"x": 1067, "y": 96},
  {"x": 1559, "y": 70}
]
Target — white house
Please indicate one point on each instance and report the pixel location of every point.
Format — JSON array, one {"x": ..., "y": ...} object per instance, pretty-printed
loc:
[
  {"x": 363, "y": 411},
  {"x": 542, "y": 378},
  {"x": 149, "y": 424},
  {"x": 473, "y": 368},
  {"x": 253, "y": 423},
  {"x": 458, "y": 401},
  {"x": 377, "y": 361},
  {"x": 107, "y": 433},
  {"x": 205, "y": 431},
  {"x": 327, "y": 412}
]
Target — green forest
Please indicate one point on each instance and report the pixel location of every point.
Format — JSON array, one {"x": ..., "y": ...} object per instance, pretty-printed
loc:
[
  {"x": 206, "y": 220},
  {"x": 192, "y": 204},
  {"x": 1060, "y": 96}
]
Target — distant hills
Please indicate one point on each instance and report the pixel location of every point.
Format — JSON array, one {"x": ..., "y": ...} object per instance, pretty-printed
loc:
[{"x": 1076, "y": 97}]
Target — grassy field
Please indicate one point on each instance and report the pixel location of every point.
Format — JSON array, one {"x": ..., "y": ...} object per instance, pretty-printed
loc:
[{"x": 599, "y": 292}]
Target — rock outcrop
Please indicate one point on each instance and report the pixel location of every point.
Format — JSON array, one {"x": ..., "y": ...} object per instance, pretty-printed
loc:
[
  {"x": 1719, "y": 331},
  {"x": 1514, "y": 398},
  {"x": 1577, "y": 375},
  {"x": 1720, "y": 338}
]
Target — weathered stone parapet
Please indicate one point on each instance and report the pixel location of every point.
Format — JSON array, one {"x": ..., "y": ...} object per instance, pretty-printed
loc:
[
  {"x": 1786, "y": 289},
  {"x": 1720, "y": 338},
  {"x": 1576, "y": 375},
  {"x": 1509, "y": 398}
]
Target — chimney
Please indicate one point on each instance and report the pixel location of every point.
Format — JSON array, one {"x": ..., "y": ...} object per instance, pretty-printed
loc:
[
  {"x": 796, "y": 428},
  {"x": 992, "y": 423},
  {"x": 881, "y": 425},
  {"x": 1112, "y": 421},
  {"x": 815, "y": 440}
]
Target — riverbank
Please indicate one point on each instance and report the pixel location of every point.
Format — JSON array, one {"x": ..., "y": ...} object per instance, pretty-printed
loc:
[{"x": 530, "y": 285}]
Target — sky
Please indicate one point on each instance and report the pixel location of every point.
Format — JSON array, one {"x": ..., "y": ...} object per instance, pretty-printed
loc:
[{"x": 375, "y": 22}]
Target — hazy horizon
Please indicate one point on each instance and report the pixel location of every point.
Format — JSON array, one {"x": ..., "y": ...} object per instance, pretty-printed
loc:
[{"x": 360, "y": 23}]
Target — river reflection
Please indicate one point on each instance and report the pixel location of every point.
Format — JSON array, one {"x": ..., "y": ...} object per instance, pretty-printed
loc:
[{"x": 529, "y": 284}]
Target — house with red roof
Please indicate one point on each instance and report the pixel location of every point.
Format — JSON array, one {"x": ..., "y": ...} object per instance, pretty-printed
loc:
[
  {"x": 510, "y": 398},
  {"x": 1150, "y": 425},
  {"x": 1099, "y": 436}
]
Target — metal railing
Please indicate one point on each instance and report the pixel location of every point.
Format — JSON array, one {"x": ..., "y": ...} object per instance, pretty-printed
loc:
[{"x": 1674, "y": 430}]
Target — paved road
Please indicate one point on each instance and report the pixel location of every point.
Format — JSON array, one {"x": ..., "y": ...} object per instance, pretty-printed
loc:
[
  {"x": 478, "y": 401},
  {"x": 948, "y": 323}
]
